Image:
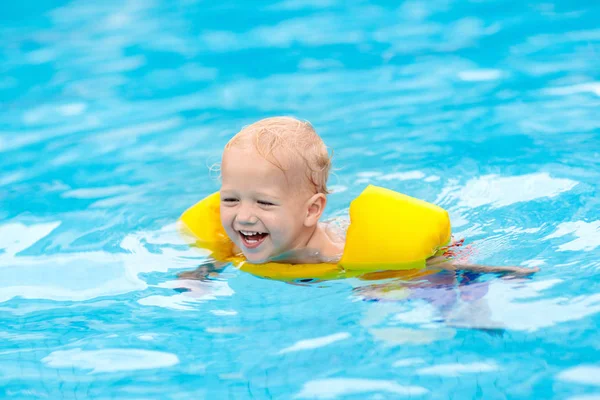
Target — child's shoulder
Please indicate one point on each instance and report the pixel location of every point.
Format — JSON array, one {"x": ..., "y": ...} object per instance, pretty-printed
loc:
[
  {"x": 336, "y": 228},
  {"x": 334, "y": 238}
]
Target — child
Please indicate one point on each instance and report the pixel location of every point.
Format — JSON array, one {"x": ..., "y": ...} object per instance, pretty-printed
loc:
[{"x": 273, "y": 193}]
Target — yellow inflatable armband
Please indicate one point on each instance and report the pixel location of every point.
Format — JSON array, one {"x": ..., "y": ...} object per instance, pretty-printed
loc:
[
  {"x": 394, "y": 230},
  {"x": 388, "y": 231},
  {"x": 204, "y": 222}
]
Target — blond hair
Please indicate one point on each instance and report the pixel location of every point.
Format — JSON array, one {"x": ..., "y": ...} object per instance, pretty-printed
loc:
[{"x": 271, "y": 135}]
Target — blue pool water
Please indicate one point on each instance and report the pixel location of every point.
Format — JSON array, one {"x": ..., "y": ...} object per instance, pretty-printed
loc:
[{"x": 112, "y": 113}]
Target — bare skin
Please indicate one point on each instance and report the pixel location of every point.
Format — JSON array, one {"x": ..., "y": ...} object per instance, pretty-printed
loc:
[
  {"x": 268, "y": 212},
  {"x": 326, "y": 247},
  {"x": 444, "y": 263}
]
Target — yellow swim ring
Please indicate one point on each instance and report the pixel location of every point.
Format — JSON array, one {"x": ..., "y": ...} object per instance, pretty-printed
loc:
[{"x": 389, "y": 231}]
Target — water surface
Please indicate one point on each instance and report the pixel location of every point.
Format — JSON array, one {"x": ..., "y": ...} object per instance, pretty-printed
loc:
[{"x": 112, "y": 114}]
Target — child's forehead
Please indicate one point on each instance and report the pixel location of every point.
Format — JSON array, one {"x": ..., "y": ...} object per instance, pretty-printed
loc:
[{"x": 281, "y": 163}]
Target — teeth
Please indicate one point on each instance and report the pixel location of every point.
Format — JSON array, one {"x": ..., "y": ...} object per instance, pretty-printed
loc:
[{"x": 249, "y": 233}]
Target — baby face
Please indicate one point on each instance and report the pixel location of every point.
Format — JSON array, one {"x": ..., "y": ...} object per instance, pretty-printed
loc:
[{"x": 260, "y": 211}]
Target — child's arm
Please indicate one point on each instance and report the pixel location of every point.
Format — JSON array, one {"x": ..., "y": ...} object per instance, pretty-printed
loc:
[
  {"x": 204, "y": 271},
  {"x": 441, "y": 262}
]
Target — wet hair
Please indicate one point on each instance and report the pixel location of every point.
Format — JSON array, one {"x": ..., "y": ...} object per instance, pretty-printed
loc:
[{"x": 286, "y": 135}]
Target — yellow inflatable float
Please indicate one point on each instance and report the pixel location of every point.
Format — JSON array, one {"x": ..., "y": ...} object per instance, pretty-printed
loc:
[{"x": 389, "y": 231}]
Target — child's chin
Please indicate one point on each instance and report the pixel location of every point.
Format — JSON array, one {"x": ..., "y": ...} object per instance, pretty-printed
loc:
[{"x": 256, "y": 259}]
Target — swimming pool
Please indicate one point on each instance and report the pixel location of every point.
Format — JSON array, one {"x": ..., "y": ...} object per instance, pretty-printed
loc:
[{"x": 111, "y": 116}]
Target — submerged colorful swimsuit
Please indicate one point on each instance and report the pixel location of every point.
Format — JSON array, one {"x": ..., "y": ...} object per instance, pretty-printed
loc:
[{"x": 388, "y": 231}]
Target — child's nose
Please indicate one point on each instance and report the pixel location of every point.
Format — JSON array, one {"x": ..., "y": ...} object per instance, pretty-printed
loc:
[{"x": 245, "y": 216}]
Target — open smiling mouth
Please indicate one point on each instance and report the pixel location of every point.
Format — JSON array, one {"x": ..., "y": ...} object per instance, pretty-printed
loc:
[{"x": 252, "y": 239}]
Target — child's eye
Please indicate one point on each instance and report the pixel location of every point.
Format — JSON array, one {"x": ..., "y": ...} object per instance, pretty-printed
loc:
[
  {"x": 265, "y": 203},
  {"x": 230, "y": 200}
]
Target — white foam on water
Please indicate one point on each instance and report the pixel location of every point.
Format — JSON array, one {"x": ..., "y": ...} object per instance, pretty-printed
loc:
[
  {"x": 589, "y": 87},
  {"x": 175, "y": 302},
  {"x": 406, "y": 336},
  {"x": 336, "y": 387},
  {"x": 224, "y": 313},
  {"x": 582, "y": 374},
  {"x": 87, "y": 275},
  {"x": 16, "y": 237},
  {"x": 517, "y": 230},
  {"x": 308, "y": 344},
  {"x": 407, "y": 362},
  {"x": 456, "y": 369},
  {"x": 587, "y": 235},
  {"x": 591, "y": 396},
  {"x": 110, "y": 360},
  {"x": 417, "y": 315},
  {"x": 521, "y": 305},
  {"x": 533, "y": 263},
  {"x": 198, "y": 291},
  {"x": 459, "y": 220},
  {"x": 401, "y": 176},
  {"x": 224, "y": 330},
  {"x": 432, "y": 178},
  {"x": 498, "y": 191},
  {"x": 94, "y": 193},
  {"x": 10, "y": 177},
  {"x": 368, "y": 174},
  {"x": 62, "y": 293}
]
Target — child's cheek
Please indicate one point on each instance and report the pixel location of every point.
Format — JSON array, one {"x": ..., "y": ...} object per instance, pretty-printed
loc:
[
  {"x": 223, "y": 216},
  {"x": 271, "y": 223},
  {"x": 226, "y": 222}
]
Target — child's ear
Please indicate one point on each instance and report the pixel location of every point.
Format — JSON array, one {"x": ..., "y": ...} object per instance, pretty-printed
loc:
[{"x": 315, "y": 206}]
